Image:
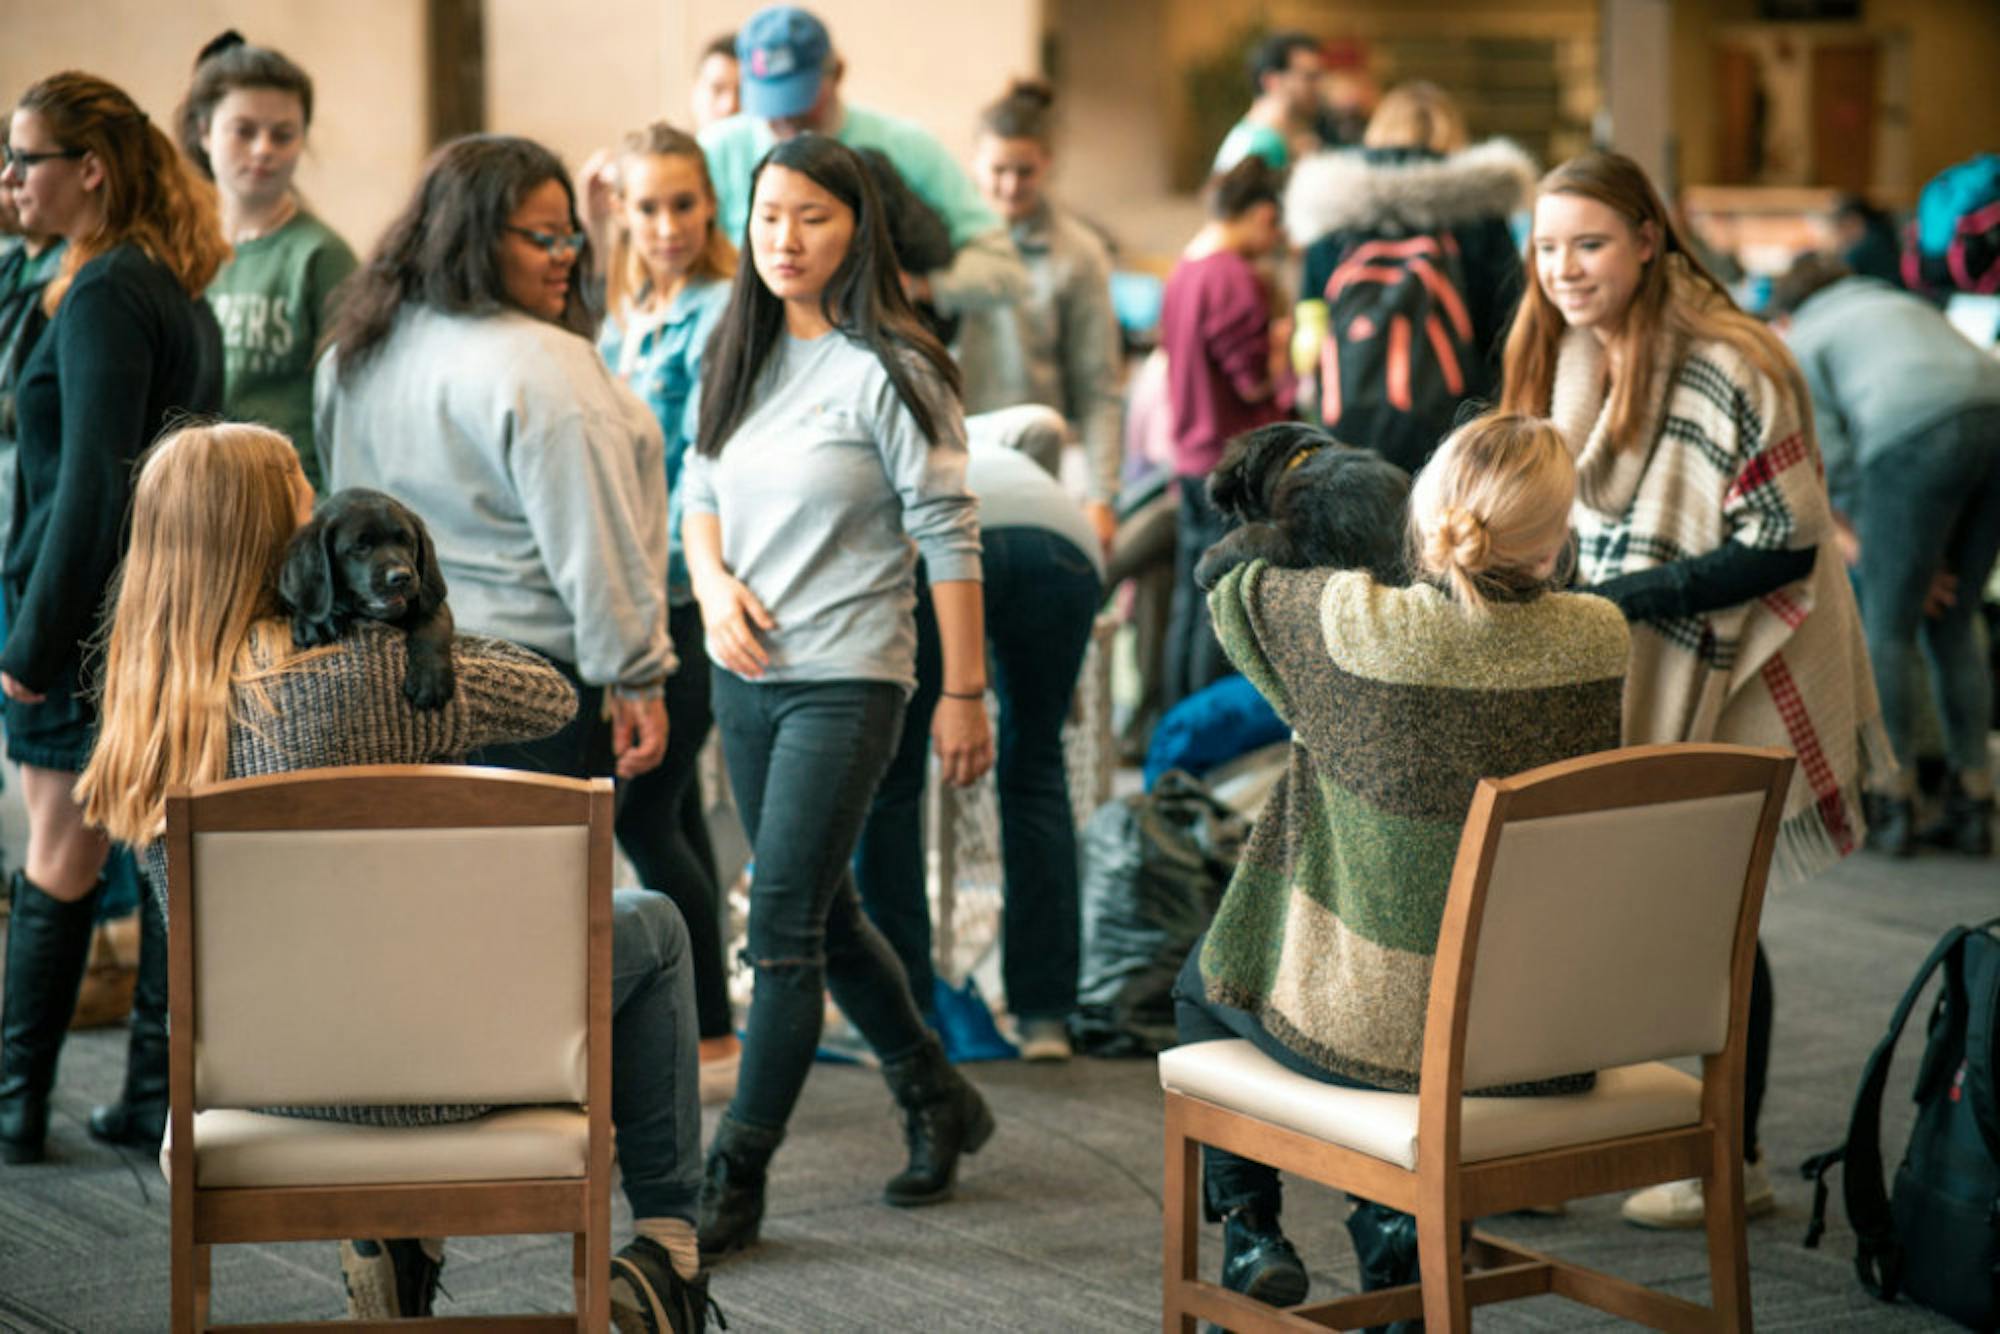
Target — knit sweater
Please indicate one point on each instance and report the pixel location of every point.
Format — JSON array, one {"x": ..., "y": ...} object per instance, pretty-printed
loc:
[
  {"x": 347, "y": 707},
  {"x": 1399, "y": 703}
]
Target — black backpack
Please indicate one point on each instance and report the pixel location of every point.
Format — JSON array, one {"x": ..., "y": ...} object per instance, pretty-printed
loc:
[
  {"x": 1937, "y": 1237},
  {"x": 1400, "y": 351}
]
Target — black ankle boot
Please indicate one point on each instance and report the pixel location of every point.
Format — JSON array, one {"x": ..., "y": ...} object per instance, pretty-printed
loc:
[
  {"x": 139, "y": 1117},
  {"x": 943, "y": 1117},
  {"x": 1966, "y": 825},
  {"x": 732, "y": 1186},
  {"x": 48, "y": 943},
  {"x": 1892, "y": 825},
  {"x": 1257, "y": 1261}
]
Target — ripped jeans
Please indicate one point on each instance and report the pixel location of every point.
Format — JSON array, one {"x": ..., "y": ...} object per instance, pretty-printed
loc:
[{"x": 804, "y": 761}]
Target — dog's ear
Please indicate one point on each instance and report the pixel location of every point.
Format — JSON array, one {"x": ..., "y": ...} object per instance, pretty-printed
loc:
[
  {"x": 305, "y": 581},
  {"x": 430, "y": 578},
  {"x": 1229, "y": 486}
]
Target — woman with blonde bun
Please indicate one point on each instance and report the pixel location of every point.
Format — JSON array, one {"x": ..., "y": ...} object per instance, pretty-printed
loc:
[{"x": 1399, "y": 703}]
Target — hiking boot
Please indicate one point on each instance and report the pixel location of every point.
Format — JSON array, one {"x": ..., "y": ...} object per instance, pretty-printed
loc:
[
  {"x": 1892, "y": 827},
  {"x": 1965, "y": 825},
  {"x": 1045, "y": 1040},
  {"x": 943, "y": 1117},
  {"x": 392, "y": 1279},
  {"x": 732, "y": 1187},
  {"x": 1675, "y": 1205},
  {"x": 1257, "y": 1261},
  {"x": 648, "y": 1296}
]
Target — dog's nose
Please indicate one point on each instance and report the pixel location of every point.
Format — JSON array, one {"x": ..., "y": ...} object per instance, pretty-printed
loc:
[{"x": 398, "y": 579}]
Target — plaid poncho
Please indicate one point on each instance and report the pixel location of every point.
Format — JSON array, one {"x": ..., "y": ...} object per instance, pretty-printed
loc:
[{"x": 1730, "y": 457}]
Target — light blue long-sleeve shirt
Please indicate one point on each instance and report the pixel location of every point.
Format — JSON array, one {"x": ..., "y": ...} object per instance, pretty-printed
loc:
[{"x": 825, "y": 494}]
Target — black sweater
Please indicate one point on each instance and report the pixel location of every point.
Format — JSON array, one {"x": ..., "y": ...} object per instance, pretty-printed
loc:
[{"x": 127, "y": 351}]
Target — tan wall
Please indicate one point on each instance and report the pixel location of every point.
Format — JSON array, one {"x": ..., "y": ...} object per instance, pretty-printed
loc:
[
  {"x": 365, "y": 57},
  {"x": 1953, "y": 110}
]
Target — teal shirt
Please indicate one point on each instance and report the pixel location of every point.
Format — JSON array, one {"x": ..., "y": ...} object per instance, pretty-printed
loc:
[
  {"x": 273, "y": 299},
  {"x": 735, "y": 146},
  {"x": 1247, "y": 137},
  {"x": 658, "y": 356}
]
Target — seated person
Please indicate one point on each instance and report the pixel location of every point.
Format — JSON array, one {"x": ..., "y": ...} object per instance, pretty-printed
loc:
[
  {"x": 212, "y": 512},
  {"x": 1400, "y": 701}
]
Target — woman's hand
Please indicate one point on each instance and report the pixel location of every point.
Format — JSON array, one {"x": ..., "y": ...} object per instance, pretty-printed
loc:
[
  {"x": 19, "y": 693},
  {"x": 731, "y": 617},
  {"x": 963, "y": 739},
  {"x": 638, "y": 732}
]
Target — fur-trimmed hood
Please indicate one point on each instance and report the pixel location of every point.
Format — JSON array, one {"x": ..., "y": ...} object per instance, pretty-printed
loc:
[{"x": 1346, "y": 190}]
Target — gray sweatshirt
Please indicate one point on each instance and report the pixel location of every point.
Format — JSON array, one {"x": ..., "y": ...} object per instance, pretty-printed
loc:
[
  {"x": 541, "y": 477},
  {"x": 1883, "y": 367},
  {"x": 825, "y": 494}
]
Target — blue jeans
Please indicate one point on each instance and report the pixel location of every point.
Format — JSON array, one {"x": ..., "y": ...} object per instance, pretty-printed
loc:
[
  {"x": 655, "y": 1094},
  {"x": 1933, "y": 503},
  {"x": 804, "y": 759},
  {"x": 1041, "y": 595}
]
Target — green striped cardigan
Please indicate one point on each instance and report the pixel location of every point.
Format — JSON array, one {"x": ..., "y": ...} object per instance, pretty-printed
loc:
[{"x": 1399, "y": 703}]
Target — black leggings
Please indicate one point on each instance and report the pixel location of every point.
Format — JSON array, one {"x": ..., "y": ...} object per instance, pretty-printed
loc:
[{"x": 664, "y": 832}]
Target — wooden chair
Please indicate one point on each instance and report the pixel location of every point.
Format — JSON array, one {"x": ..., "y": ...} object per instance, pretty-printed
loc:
[
  {"x": 1602, "y": 916},
  {"x": 379, "y": 935}
]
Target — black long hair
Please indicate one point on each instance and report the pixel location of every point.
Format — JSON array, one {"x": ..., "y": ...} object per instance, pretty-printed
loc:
[
  {"x": 443, "y": 248},
  {"x": 863, "y": 301}
]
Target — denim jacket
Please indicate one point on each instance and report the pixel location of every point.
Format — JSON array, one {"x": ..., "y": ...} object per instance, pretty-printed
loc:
[{"x": 659, "y": 358}]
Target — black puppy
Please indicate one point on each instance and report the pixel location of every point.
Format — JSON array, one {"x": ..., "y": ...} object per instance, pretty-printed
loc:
[
  {"x": 366, "y": 554},
  {"x": 1301, "y": 499}
]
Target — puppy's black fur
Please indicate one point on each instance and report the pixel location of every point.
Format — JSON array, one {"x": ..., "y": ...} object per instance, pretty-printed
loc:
[
  {"x": 367, "y": 554},
  {"x": 1301, "y": 499}
]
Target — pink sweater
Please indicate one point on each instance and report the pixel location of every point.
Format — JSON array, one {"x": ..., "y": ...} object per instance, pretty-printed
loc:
[{"x": 1215, "y": 324}]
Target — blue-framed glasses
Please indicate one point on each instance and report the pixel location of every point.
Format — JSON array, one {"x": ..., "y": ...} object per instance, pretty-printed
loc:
[{"x": 549, "y": 241}]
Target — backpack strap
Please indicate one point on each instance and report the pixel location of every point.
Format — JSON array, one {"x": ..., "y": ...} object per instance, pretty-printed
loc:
[{"x": 1878, "y": 1257}]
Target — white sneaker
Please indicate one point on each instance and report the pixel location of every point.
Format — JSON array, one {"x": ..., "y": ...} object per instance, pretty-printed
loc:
[
  {"x": 1045, "y": 1040},
  {"x": 718, "y": 1078},
  {"x": 1679, "y": 1204}
]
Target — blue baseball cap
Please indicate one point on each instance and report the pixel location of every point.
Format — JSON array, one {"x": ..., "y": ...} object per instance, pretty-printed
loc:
[{"x": 782, "y": 52}]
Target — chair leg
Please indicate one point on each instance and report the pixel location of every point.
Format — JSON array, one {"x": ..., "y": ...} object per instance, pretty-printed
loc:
[
  {"x": 188, "y": 1286},
  {"x": 1728, "y": 1242},
  {"x": 1182, "y": 1218},
  {"x": 579, "y": 1279},
  {"x": 597, "y": 1276},
  {"x": 1441, "y": 1260}
]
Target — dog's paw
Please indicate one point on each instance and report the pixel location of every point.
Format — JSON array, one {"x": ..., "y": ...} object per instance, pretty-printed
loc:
[
  {"x": 310, "y": 633},
  {"x": 428, "y": 685}
]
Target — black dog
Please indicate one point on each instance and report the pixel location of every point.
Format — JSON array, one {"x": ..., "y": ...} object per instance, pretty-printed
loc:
[
  {"x": 367, "y": 554},
  {"x": 1301, "y": 500}
]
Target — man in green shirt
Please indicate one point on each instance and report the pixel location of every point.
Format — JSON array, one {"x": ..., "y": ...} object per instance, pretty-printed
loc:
[
  {"x": 1284, "y": 80},
  {"x": 790, "y": 84}
]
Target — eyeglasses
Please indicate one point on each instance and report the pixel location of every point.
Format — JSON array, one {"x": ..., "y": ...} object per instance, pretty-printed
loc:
[
  {"x": 549, "y": 241},
  {"x": 13, "y": 159}
]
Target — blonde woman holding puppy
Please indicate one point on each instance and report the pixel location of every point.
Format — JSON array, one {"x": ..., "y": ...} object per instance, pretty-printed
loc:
[
  {"x": 666, "y": 283},
  {"x": 1400, "y": 701}
]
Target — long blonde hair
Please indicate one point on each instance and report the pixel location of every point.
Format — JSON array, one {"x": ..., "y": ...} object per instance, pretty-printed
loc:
[
  {"x": 625, "y": 274},
  {"x": 1490, "y": 505},
  {"x": 196, "y": 614},
  {"x": 1676, "y": 297},
  {"x": 152, "y": 198}
]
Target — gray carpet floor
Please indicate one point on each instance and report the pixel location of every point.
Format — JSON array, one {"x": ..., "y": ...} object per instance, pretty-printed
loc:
[{"x": 1056, "y": 1225}]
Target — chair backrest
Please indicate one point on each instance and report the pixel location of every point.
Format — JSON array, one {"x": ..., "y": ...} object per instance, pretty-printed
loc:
[
  {"x": 1602, "y": 908},
  {"x": 388, "y": 935}
]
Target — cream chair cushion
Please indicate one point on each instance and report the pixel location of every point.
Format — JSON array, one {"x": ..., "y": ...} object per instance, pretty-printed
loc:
[
  {"x": 1629, "y": 1100},
  {"x": 238, "y": 1148}
]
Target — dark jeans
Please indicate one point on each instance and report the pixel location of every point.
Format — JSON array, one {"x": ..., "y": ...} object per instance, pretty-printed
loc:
[
  {"x": 1229, "y": 1181},
  {"x": 1193, "y": 656},
  {"x": 582, "y": 749},
  {"x": 1932, "y": 504},
  {"x": 1041, "y": 595},
  {"x": 664, "y": 832},
  {"x": 804, "y": 759}
]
